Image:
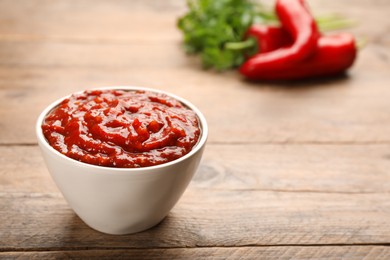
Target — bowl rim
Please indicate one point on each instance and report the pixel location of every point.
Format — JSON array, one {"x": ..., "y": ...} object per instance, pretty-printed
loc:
[{"x": 198, "y": 146}]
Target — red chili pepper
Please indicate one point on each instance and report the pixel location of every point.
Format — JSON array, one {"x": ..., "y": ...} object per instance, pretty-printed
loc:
[
  {"x": 268, "y": 37},
  {"x": 334, "y": 55},
  {"x": 299, "y": 23}
]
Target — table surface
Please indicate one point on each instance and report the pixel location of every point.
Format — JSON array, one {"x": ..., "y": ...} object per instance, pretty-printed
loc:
[{"x": 291, "y": 170}]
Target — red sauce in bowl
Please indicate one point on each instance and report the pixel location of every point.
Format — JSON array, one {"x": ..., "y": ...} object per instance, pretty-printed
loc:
[{"x": 122, "y": 128}]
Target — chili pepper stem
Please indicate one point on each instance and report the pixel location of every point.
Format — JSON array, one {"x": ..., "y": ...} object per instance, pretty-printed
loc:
[
  {"x": 248, "y": 43},
  {"x": 336, "y": 24},
  {"x": 361, "y": 42}
]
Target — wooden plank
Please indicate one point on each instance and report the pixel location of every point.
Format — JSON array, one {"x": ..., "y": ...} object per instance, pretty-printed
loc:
[
  {"x": 305, "y": 168},
  {"x": 88, "y": 20},
  {"x": 295, "y": 168},
  {"x": 146, "y": 20},
  {"x": 23, "y": 170},
  {"x": 205, "y": 219},
  {"x": 92, "y": 55},
  {"x": 353, "y": 110},
  {"x": 280, "y": 252},
  {"x": 36, "y": 70}
]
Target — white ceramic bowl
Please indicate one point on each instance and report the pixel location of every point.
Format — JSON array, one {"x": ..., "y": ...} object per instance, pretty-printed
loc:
[{"x": 122, "y": 200}]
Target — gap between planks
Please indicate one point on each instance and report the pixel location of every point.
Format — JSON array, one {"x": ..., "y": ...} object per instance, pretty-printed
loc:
[
  {"x": 51, "y": 249},
  {"x": 33, "y": 195}
]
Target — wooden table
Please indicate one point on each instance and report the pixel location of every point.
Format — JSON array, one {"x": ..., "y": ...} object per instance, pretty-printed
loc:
[{"x": 290, "y": 171}]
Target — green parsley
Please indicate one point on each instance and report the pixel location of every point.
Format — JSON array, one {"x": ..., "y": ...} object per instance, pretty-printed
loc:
[{"x": 210, "y": 24}]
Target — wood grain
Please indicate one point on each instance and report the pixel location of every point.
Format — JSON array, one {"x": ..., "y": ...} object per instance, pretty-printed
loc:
[
  {"x": 203, "y": 219},
  {"x": 46, "y": 60},
  {"x": 295, "y": 168},
  {"x": 87, "y": 20},
  {"x": 279, "y": 253},
  {"x": 351, "y": 110},
  {"x": 291, "y": 170},
  {"x": 82, "y": 20}
]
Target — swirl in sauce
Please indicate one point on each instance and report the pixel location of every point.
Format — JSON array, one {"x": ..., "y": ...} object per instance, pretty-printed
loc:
[{"x": 124, "y": 129}]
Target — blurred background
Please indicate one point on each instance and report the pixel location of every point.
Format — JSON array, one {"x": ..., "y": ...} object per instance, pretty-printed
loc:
[{"x": 52, "y": 48}]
